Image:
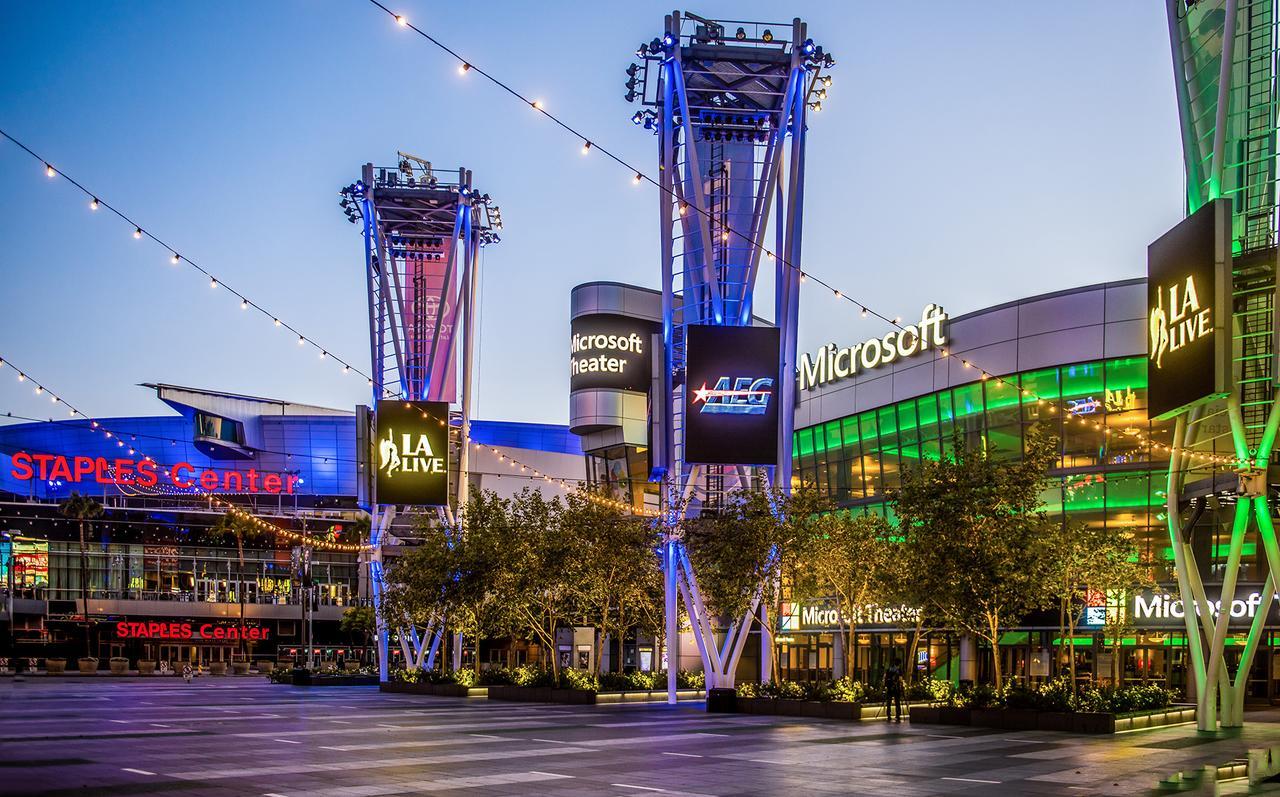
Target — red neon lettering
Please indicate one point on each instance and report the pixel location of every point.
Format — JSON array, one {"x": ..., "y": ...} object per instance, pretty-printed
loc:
[
  {"x": 22, "y": 466},
  {"x": 61, "y": 469},
  {"x": 206, "y": 630},
  {"x": 177, "y": 474},
  {"x": 43, "y": 461},
  {"x": 124, "y": 471},
  {"x": 288, "y": 486},
  {"x": 154, "y": 629},
  {"x": 271, "y": 483},
  {"x": 122, "y": 629},
  {"x": 253, "y": 480},
  {"x": 209, "y": 480},
  {"x": 100, "y": 471},
  {"x": 146, "y": 474},
  {"x": 84, "y": 466}
]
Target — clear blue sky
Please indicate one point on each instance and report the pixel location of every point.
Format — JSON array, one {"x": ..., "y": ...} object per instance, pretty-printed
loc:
[{"x": 970, "y": 153}]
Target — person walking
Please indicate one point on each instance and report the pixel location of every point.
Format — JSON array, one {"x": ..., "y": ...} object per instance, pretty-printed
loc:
[{"x": 893, "y": 688}]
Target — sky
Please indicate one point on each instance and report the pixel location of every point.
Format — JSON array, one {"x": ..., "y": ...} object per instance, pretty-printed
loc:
[{"x": 968, "y": 154}]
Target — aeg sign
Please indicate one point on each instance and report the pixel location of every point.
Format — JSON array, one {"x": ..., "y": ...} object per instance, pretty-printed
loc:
[
  {"x": 731, "y": 410},
  {"x": 1188, "y": 295},
  {"x": 412, "y": 454}
]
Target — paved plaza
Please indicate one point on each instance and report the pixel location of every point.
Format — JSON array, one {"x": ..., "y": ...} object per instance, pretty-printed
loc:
[{"x": 228, "y": 736}]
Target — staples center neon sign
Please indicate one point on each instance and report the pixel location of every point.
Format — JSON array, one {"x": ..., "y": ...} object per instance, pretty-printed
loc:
[
  {"x": 832, "y": 363},
  {"x": 144, "y": 473},
  {"x": 182, "y": 631}
]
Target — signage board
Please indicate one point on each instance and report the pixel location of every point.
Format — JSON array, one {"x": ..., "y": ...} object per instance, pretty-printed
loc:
[
  {"x": 731, "y": 395},
  {"x": 188, "y": 631},
  {"x": 412, "y": 453},
  {"x": 28, "y": 559},
  {"x": 610, "y": 351},
  {"x": 144, "y": 473},
  {"x": 831, "y": 363},
  {"x": 827, "y": 616},
  {"x": 1189, "y": 312}
]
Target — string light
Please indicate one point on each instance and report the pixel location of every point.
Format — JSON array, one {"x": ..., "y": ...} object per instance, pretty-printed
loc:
[
  {"x": 464, "y": 68},
  {"x": 586, "y": 147},
  {"x": 174, "y": 257}
]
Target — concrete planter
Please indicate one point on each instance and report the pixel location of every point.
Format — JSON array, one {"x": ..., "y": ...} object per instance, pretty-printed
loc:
[
  {"x": 240, "y": 667},
  {"x": 337, "y": 680},
  {"x": 1081, "y": 722},
  {"x": 265, "y": 666},
  {"x": 119, "y": 666},
  {"x": 351, "y": 666},
  {"x": 217, "y": 668},
  {"x": 87, "y": 665},
  {"x": 800, "y": 708},
  {"x": 541, "y": 694},
  {"x": 146, "y": 667},
  {"x": 648, "y": 696},
  {"x": 55, "y": 666}
]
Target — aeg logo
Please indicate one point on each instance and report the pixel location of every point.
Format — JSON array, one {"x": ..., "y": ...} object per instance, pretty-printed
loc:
[
  {"x": 408, "y": 456},
  {"x": 747, "y": 396}
]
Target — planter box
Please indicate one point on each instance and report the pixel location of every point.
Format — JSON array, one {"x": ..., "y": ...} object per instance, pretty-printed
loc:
[
  {"x": 1080, "y": 722},
  {"x": 350, "y": 666},
  {"x": 146, "y": 667},
  {"x": 119, "y": 666},
  {"x": 722, "y": 700},
  {"x": 240, "y": 667},
  {"x": 88, "y": 666},
  {"x": 266, "y": 666},
  {"x": 55, "y": 666},
  {"x": 437, "y": 690},
  {"x": 800, "y": 708},
  {"x": 541, "y": 694},
  {"x": 648, "y": 696},
  {"x": 217, "y": 668}
]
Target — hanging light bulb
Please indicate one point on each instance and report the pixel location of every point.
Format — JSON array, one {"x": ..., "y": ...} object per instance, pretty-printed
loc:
[
  {"x": 586, "y": 147},
  {"x": 94, "y": 204},
  {"x": 174, "y": 259},
  {"x": 464, "y": 68},
  {"x": 49, "y": 171},
  {"x": 275, "y": 321},
  {"x": 244, "y": 304},
  {"x": 401, "y": 21},
  {"x": 137, "y": 232},
  {"x": 213, "y": 283}
]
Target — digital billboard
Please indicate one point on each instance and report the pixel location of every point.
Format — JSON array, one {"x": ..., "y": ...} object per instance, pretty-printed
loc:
[
  {"x": 1188, "y": 312},
  {"x": 610, "y": 351},
  {"x": 412, "y": 453},
  {"x": 731, "y": 395}
]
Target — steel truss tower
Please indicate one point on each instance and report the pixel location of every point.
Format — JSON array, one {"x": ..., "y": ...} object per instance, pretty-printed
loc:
[
  {"x": 727, "y": 101},
  {"x": 423, "y": 232},
  {"x": 1225, "y": 65}
]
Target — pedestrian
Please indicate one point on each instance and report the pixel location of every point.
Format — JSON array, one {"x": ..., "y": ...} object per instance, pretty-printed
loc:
[
  {"x": 186, "y": 672},
  {"x": 893, "y": 690}
]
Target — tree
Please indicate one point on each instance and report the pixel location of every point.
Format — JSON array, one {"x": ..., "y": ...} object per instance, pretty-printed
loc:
[
  {"x": 545, "y": 558},
  {"x": 619, "y": 558},
  {"x": 83, "y": 509},
  {"x": 240, "y": 528},
  {"x": 743, "y": 551},
  {"x": 359, "y": 622},
  {"x": 981, "y": 536},
  {"x": 851, "y": 559},
  {"x": 1099, "y": 562}
]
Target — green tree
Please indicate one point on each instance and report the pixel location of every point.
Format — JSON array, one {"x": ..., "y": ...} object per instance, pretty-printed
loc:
[
  {"x": 359, "y": 622},
  {"x": 83, "y": 509},
  {"x": 851, "y": 558},
  {"x": 240, "y": 529},
  {"x": 748, "y": 546},
  {"x": 981, "y": 536},
  {"x": 545, "y": 560},
  {"x": 618, "y": 556}
]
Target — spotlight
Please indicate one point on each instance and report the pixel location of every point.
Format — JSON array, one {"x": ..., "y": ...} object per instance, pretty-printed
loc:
[
  {"x": 637, "y": 117},
  {"x": 630, "y": 96},
  {"x": 768, "y": 36},
  {"x": 631, "y": 70},
  {"x": 741, "y": 34},
  {"x": 808, "y": 46}
]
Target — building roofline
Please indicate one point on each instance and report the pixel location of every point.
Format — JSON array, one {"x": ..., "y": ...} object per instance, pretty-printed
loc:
[
  {"x": 159, "y": 386},
  {"x": 1050, "y": 295}
]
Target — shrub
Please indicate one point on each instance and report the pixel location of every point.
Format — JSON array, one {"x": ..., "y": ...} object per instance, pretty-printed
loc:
[
  {"x": 1058, "y": 694},
  {"x": 747, "y": 689},
  {"x": 579, "y": 679},
  {"x": 983, "y": 696},
  {"x": 847, "y": 690},
  {"x": 493, "y": 676},
  {"x": 689, "y": 680}
]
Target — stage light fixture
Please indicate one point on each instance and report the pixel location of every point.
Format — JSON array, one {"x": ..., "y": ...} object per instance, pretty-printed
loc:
[
  {"x": 741, "y": 34},
  {"x": 768, "y": 36},
  {"x": 631, "y": 70}
]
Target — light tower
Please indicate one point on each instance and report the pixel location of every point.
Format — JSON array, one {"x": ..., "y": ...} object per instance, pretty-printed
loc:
[
  {"x": 423, "y": 231},
  {"x": 728, "y": 103},
  {"x": 1224, "y": 58}
]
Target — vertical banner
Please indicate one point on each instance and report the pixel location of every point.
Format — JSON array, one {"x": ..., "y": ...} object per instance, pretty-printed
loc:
[
  {"x": 730, "y": 395},
  {"x": 412, "y": 453},
  {"x": 1189, "y": 312},
  {"x": 431, "y": 300}
]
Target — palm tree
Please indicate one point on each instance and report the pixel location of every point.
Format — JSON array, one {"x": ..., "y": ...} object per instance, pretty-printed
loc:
[
  {"x": 82, "y": 509},
  {"x": 232, "y": 525}
]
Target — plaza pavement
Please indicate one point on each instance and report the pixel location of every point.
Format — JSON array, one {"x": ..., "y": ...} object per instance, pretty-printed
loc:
[{"x": 244, "y": 736}]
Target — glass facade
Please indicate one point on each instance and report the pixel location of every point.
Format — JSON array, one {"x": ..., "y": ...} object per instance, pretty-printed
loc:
[{"x": 1099, "y": 478}]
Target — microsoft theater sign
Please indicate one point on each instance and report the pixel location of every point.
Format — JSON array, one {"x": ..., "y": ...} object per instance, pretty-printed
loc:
[{"x": 832, "y": 363}]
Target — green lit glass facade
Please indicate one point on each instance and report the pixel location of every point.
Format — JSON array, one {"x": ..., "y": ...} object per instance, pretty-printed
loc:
[{"x": 1100, "y": 478}]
